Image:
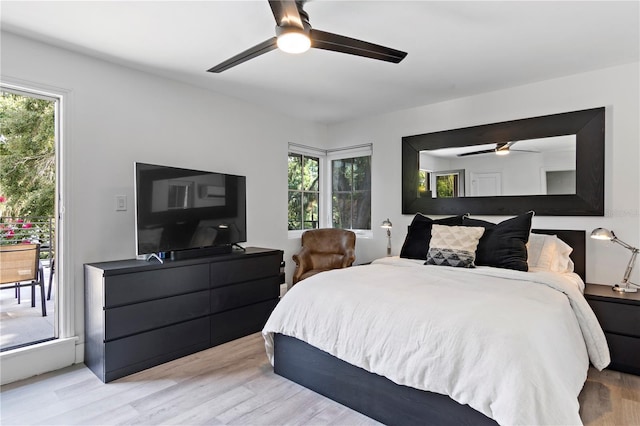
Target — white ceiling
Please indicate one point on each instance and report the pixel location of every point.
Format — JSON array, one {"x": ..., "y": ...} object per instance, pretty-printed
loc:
[
  {"x": 455, "y": 48},
  {"x": 551, "y": 144}
]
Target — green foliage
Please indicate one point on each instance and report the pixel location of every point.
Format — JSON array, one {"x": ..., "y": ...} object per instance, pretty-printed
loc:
[
  {"x": 351, "y": 193},
  {"x": 304, "y": 176},
  {"x": 350, "y": 189},
  {"x": 445, "y": 186},
  {"x": 27, "y": 156},
  {"x": 423, "y": 182}
]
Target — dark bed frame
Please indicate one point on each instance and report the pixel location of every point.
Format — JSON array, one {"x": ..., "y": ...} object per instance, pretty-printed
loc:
[{"x": 376, "y": 396}]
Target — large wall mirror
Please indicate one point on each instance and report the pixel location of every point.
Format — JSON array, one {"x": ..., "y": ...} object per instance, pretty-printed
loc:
[{"x": 553, "y": 165}]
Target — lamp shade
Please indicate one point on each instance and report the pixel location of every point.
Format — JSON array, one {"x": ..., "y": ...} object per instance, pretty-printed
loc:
[
  {"x": 602, "y": 234},
  {"x": 605, "y": 234},
  {"x": 386, "y": 224}
]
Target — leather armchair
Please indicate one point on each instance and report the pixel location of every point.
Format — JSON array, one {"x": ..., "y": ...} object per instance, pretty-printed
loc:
[{"x": 323, "y": 250}]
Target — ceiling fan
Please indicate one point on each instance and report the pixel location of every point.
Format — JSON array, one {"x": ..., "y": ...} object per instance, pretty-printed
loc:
[
  {"x": 295, "y": 35},
  {"x": 502, "y": 148}
]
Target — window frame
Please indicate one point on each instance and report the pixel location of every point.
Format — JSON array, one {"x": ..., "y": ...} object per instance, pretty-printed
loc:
[
  {"x": 325, "y": 184},
  {"x": 321, "y": 155},
  {"x": 325, "y": 199},
  {"x": 63, "y": 351},
  {"x": 342, "y": 154}
]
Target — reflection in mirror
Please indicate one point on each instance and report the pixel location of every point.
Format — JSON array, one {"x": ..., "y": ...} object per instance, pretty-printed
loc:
[
  {"x": 180, "y": 194},
  {"x": 445, "y": 183},
  {"x": 542, "y": 166},
  {"x": 565, "y": 178}
]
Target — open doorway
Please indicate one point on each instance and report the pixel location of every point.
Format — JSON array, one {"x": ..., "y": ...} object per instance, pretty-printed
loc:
[{"x": 28, "y": 142}]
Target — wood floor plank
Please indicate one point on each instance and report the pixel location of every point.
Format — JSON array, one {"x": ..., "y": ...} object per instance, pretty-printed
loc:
[
  {"x": 14, "y": 392},
  {"x": 104, "y": 408},
  {"x": 248, "y": 408},
  {"x": 207, "y": 411},
  {"x": 334, "y": 412},
  {"x": 187, "y": 395},
  {"x": 235, "y": 384}
]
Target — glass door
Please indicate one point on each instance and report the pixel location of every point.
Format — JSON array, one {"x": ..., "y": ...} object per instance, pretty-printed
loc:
[{"x": 28, "y": 133}]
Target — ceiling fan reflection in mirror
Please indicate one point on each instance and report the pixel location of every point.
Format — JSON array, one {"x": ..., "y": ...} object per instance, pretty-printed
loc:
[
  {"x": 295, "y": 35},
  {"x": 502, "y": 148}
]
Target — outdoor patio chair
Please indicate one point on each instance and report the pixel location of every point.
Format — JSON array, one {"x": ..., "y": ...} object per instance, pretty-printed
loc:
[
  {"x": 53, "y": 270},
  {"x": 20, "y": 267}
]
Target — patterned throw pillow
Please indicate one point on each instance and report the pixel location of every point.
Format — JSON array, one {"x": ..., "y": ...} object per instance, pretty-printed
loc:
[{"x": 453, "y": 245}]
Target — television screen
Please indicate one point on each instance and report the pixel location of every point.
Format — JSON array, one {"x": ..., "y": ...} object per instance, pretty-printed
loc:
[{"x": 179, "y": 209}]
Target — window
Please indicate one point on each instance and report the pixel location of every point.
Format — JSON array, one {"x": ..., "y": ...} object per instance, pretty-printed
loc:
[
  {"x": 329, "y": 188},
  {"x": 448, "y": 184},
  {"x": 424, "y": 183},
  {"x": 304, "y": 191},
  {"x": 351, "y": 193}
]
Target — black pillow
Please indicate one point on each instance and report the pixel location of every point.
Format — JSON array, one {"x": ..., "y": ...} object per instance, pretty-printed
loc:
[
  {"x": 503, "y": 245},
  {"x": 416, "y": 243}
]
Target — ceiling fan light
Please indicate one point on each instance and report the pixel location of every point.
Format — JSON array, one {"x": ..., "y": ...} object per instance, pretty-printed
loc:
[{"x": 294, "y": 42}]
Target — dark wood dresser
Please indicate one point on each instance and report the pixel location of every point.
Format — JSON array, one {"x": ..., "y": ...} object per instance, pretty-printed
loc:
[
  {"x": 619, "y": 316},
  {"x": 139, "y": 314}
]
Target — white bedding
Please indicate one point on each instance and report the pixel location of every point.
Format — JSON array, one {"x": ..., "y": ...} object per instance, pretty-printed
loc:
[{"x": 513, "y": 345}]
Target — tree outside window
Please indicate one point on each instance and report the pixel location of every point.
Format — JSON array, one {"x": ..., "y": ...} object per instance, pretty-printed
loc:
[
  {"x": 304, "y": 192},
  {"x": 27, "y": 156},
  {"x": 424, "y": 183},
  {"x": 351, "y": 193},
  {"x": 448, "y": 184}
]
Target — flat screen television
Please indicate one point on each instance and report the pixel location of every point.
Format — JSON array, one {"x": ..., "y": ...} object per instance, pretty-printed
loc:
[{"x": 182, "y": 210}]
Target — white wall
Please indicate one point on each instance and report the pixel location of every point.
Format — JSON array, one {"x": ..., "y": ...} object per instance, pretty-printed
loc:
[
  {"x": 117, "y": 115},
  {"x": 615, "y": 88}
]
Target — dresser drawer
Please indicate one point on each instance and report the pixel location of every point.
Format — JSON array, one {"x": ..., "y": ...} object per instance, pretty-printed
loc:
[
  {"x": 223, "y": 273},
  {"x": 154, "y": 344},
  {"x": 240, "y": 322},
  {"x": 139, "y": 287},
  {"x": 617, "y": 318},
  {"x": 624, "y": 353},
  {"x": 247, "y": 293},
  {"x": 139, "y": 317}
]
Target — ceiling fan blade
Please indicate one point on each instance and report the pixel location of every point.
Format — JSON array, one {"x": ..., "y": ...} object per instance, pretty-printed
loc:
[
  {"x": 338, "y": 43},
  {"x": 286, "y": 13},
  {"x": 485, "y": 151},
  {"x": 257, "y": 50}
]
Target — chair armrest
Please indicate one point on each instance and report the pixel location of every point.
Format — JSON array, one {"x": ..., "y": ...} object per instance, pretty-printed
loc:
[
  {"x": 349, "y": 258},
  {"x": 303, "y": 263}
]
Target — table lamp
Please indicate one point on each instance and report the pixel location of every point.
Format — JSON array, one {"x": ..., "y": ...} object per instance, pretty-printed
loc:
[
  {"x": 386, "y": 224},
  {"x": 625, "y": 286}
]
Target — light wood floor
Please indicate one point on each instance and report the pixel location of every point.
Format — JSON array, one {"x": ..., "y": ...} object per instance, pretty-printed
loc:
[{"x": 233, "y": 384}]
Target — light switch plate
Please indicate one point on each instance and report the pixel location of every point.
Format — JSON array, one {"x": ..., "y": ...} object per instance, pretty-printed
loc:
[{"x": 121, "y": 203}]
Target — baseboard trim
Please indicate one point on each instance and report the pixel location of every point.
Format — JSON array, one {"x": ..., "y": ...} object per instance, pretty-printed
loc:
[{"x": 40, "y": 358}]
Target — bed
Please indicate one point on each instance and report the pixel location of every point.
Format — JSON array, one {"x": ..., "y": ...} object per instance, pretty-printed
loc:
[{"x": 494, "y": 346}]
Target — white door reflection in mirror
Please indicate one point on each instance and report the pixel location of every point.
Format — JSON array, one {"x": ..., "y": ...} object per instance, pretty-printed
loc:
[{"x": 487, "y": 184}]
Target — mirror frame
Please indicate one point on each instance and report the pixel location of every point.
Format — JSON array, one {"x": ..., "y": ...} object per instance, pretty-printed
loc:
[{"x": 588, "y": 126}]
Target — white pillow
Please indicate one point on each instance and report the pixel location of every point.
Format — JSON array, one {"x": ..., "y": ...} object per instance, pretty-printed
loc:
[
  {"x": 549, "y": 253},
  {"x": 454, "y": 245}
]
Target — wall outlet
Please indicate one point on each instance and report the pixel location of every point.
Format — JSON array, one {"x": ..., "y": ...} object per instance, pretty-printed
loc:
[{"x": 121, "y": 203}]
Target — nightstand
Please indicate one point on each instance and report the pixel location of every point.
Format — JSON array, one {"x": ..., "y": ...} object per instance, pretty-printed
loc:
[{"x": 619, "y": 316}]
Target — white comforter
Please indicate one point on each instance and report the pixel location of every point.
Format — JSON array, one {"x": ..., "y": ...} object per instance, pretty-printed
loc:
[{"x": 513, "y": 345}]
